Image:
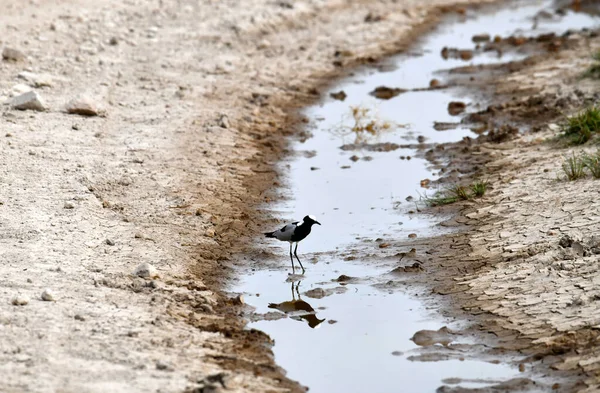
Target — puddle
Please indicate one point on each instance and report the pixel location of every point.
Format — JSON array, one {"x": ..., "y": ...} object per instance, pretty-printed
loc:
[{"x": 354, "y": 336}]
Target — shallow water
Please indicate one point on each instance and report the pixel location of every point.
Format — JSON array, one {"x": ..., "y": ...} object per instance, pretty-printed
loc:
[{"x": 366, "y": 201}]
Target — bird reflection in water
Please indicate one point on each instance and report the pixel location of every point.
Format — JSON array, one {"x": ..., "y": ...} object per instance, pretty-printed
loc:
[{"x": 298, "y": 309}]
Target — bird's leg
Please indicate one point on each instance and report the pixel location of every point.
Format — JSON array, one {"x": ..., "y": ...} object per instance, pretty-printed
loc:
[
  {"x": 297, "y": 289},
  {"x": 296, "y": 249},
  {"x": 293, "y": 296},
  {"x": 292, "y": 258}
]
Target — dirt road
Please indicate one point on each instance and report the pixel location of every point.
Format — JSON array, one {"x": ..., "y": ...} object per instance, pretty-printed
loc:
[{"x": 190, "y": 102}]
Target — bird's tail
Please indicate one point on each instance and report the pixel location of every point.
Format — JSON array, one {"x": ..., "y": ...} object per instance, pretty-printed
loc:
[{"x": 269, "y": 234}]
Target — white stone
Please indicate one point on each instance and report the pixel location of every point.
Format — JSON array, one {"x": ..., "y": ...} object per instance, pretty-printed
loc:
[
  {"x": 48, "y": 295},
  {"x": 37, "y": 80},
  {"x": 82, "y": 105},
  {"x": 146, "y": 270},
  {"x": 20, "y": 300},
  {"x": 28, "y": 101},
  {"x": 12, "y": 54}
]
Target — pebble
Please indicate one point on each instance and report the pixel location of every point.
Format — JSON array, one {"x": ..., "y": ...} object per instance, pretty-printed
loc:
[
  {"x": 69, "y": 205},
  {"x": 36, "y": 80},
  {"x": 11, "y": 54},
  {"x": 28, "y": 101},
  {"x": 48, "y": 296},
  {"x": 238, "y": 300},
  {"x": 20, "y": 300},
  {"x": 224, "y": 121},
  {"x": 110, "y": 242},
  {"x": 146, "y": 270},
  {"x": 82, "y": 105},
  {"x": 479, "y": 38},
  {"x": 163, "y": 366}
]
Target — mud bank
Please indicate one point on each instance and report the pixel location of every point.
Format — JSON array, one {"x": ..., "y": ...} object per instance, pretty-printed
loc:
[{"x": 189, "y": 104}]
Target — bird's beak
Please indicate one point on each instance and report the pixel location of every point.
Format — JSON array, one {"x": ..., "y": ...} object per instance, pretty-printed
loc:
[{"x": 317, "y": 222}]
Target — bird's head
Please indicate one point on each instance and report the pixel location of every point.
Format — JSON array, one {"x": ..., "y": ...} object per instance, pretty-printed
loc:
[{"x": 310, "y": 219}]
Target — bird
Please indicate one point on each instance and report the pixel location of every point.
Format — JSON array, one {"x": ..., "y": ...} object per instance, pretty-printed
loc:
[{"x": 294, "y": 233}]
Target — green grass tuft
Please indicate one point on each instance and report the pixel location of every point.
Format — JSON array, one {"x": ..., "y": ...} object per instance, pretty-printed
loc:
[
  {"x": 574, "y": 167},
  {"x": 592, "y": 163},
  {"x": 479, "y": 188},
  {"x": 457, "y": 193},
  {"x": 579, "y": 128}
]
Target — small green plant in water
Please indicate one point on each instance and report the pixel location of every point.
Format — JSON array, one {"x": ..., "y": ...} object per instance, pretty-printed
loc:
[
  {"x": 573, "y": 167},
  {"x": 479, "y": 187},
  {"x": 579, "y": 128},
  {"x": 592, "y": 163}
]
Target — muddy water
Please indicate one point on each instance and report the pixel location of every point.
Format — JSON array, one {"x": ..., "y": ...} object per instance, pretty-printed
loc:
[{"x": 353, "y": 334}]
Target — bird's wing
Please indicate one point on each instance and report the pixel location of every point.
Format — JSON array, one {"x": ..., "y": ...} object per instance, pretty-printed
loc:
[{"x": 285, "y": 233}]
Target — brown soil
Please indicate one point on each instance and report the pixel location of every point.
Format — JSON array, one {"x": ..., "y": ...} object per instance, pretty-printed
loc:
[{"x": 194, "y": 100}]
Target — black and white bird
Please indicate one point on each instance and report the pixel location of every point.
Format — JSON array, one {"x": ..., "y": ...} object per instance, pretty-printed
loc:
[{"x": 294, "y": 233}]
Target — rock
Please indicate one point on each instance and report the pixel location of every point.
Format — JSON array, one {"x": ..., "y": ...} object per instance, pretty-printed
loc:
[
  {"x": 48, "y": 295},
  {"x": 238, "y": 300},
  {"x": 340, "y": 95},
  {"x": 11, "y": 54},
  {"x": 343, "y": 278},
  {"x": 28, "y": 101},
  {"x": 465, "y": 54},
  {"x": 425, "y": 338},
  {"x": 316, "y": 293},
  {"x": 224, "y": 121},
  {"x": 385, "y": 93},
  {"x": 69, "y": 205},
  {"x": 36, "y": 80},
  {"x": 113, "y": 41},
  {"x": 20, "y": 300},
  {"x": 456, "y": 107},
  {"x": 479, "y": 38},
  {"x": 412, "y": 235},
  {"x": 82, "y": 105},
  {"x": 160, "y": 365},
  {"x": 79, "y": 317},
  {"x": 146, "y": 270},
  {"x": 110, "y": 242},
  {"x": 440, "y": 126},
  {"x": 372, "y": 18}
]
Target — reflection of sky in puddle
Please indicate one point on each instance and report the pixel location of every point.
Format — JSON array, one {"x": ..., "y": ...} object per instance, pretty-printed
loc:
[{"x": 354, "y": 354}]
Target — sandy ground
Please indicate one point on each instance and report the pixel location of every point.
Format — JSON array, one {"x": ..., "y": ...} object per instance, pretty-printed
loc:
[
  {"x": 193, "y": 100},
  {"x": 523, "y": 261}
]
